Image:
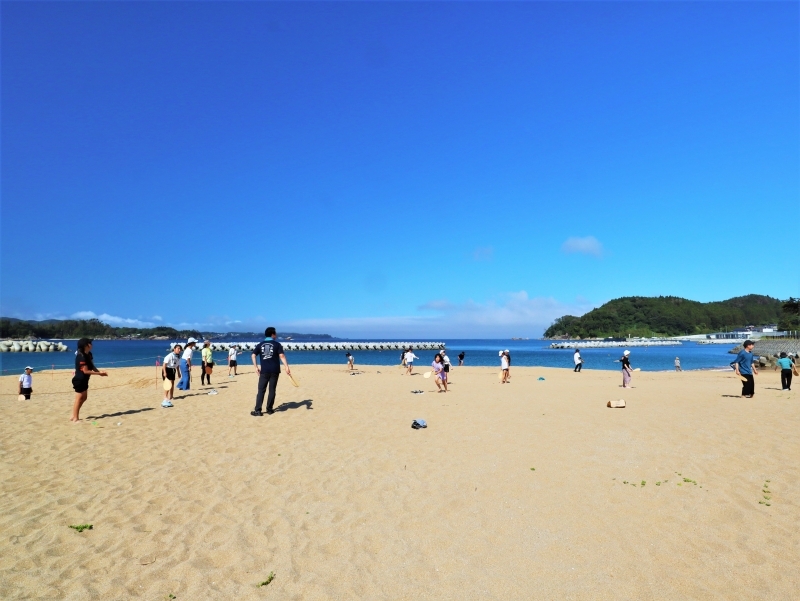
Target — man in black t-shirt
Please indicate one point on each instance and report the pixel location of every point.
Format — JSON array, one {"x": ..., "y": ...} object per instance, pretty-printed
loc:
[{"x": 271, "y": 353}]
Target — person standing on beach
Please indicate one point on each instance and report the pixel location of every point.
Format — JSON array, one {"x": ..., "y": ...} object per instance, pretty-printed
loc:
[
  {"x": 576, "y": 357},
  {"x": 208, "y": 363},
  {"x": 439, "y": 373},
  {"x": 508, "y": 358},
  {"x": 785, "y": 364},
  {"x": 461, "y": 358},
  {"x": 25, "y": 387},
  {"x": 171, "y": 368},
  {"x": 84, "y": 369},
  {"x": 185, "y": 382},
  {"x": 446, "y": 364},
  {"x": 626, "y": 370},
  {"x": 271, "y": 353},
  {"x": 350, "y": 361},
  {"x": 232, "y": 363},
  {"x": 409, "y": 357},
  {"x": 743, "y": 366},
  {"x": 504, "y": 367},
  {"x": 678, "y": 364},
  {"x": 403, "y": 357}
]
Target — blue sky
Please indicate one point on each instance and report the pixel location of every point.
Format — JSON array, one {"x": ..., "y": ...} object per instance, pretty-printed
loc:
[{"x": 394, "y": 169}]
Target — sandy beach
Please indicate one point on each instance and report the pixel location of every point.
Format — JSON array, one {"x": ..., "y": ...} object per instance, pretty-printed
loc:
[{"x": 340, "y": 499}]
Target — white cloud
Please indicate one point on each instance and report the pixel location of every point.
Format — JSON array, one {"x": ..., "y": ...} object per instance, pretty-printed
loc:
[
  {"x": 588, "y": 245},
  {"x": 515, "y": 314},
  {"x": 113, "y": 320}
]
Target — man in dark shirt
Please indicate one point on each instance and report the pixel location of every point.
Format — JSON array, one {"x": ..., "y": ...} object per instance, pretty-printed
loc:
[{"x": 271, "y": 353}]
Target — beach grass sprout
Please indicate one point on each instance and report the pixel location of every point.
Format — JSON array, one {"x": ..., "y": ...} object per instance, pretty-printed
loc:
[
  {"x": 269, "y": 579},
  {"x": 82, "y": 527}
]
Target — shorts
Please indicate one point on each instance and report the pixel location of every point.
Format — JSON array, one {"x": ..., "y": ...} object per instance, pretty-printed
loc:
[
  {"x": 170, "y": 374},
  {"x": 27, "y": 392},
  {"x": 80, "y": 383},
  {"x": 446, "y": 367},
  {"x": 232, "y": 363}
]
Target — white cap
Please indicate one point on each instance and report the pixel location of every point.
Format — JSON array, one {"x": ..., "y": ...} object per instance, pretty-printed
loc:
[
  {"x": 500, "y": 353},
  {"x": 626, "y": 353},
  {"x": 191, "y": 340},
  {"x": 29, "y": 367},
  {"x": 506, "y": 351}
]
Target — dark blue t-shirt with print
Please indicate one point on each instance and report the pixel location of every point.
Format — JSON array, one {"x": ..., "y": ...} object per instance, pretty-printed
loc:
[{"x": 270, "y": 352}]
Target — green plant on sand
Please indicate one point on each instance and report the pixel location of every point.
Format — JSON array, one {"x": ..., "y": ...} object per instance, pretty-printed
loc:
[
  {"x": 269, "y": 579},
  {"x": 81, "y": 527}
]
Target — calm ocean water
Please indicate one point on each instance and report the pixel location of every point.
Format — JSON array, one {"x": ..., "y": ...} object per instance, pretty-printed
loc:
[{"x": 124, "y": 353}]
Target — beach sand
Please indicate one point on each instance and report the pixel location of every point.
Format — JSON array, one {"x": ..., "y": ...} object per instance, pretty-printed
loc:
[{"x": 341, "y": 499}]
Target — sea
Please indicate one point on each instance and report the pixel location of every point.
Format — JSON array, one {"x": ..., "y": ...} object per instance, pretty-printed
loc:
[{"x": 482, "y": 352}]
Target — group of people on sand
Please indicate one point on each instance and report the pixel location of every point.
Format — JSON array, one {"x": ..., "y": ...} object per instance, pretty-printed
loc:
[{"x": 745, "y": 367}]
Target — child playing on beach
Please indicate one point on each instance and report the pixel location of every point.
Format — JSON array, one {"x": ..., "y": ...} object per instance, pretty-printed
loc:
[
  {"x": 439, "y": 373},
  {"x": 743, "y": 366},
  {"x": 26, "y": 384},
  {"x": 208, "y": 363},
  {"x": 232, "y": 363},
  {"x": 409, "y": 359},
  {"x": 785, "y": 364},
  {"x": 350, "y": 360},
  {"x": 576, "y": 357},
  {"x": 84, "y": 369},
  {"x": 504, "y": 366},
  {"x": 171, "y": 367}
]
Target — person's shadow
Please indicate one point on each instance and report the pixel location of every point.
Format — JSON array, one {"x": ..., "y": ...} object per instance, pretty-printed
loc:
[
  {"x": 295, "y": 405},
  {"x": 119, "y": 413}
]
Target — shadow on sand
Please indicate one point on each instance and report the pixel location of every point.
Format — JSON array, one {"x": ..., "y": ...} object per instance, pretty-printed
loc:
[
  {"x": 295, "y": 405},
  {"x": 119, "y": 413}
]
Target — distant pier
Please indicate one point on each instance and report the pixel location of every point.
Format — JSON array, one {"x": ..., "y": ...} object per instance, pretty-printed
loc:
[
  {"x": 587, "y": 344},
  {"x": 333, "y": 346}
]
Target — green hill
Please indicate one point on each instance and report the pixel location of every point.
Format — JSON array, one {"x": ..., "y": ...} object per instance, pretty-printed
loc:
[{"x": 667, "y": 316}]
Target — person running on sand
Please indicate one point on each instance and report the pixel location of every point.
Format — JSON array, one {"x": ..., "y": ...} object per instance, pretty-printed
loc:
[
  {"x": 84, "y": 369},
  {"x": 271, "y": 353},
  {"x": 439, "y": 373},
  {"x": 185, "y": 382},
  {"x": 743, "y": 366},
  {"x": 626, "y": 370},
  {"x": 678, "y": 364},
  {"x": 461, "y": 358},
  {"x": 25, "y": 386},
  {"x": 350, "y": 361},
  {"x": 409, "y": 359},
  {"x": 504, "y": 366},
  {"x": 208, "y": 363},
  {"x": 171, "y": 368},
  {"x": 578, "y": 360},
  {"x": 232, "y": 363},
  {"x": 785, "y": 364}
]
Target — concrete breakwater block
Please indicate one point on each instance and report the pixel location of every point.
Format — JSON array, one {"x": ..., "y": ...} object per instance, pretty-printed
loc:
[{"x": 32, "y": 346}]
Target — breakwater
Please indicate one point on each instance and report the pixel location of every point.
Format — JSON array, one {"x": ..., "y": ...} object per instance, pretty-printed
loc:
[
  {"x": 32, "y": 346},
  {"x": 773, "y": 347},
  {"x": 587, "y": 344},
  {"x": 332, "y": 346}
]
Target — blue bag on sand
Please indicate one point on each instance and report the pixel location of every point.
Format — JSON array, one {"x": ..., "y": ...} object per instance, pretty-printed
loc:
[
  {"x": 419, "y": 423},
  {"x": 541, "y": 378}
]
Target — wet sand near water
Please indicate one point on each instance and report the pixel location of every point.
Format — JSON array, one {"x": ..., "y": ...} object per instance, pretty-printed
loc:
[{"x": 340, "y": 499}]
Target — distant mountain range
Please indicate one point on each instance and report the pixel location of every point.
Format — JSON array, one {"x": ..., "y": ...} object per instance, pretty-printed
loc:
[
  {"x": 668, "y": 316},
  {"x": 11, "y": 327}
]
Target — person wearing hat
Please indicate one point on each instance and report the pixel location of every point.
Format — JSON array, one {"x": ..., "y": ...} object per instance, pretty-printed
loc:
[
  {"x": 186, "y": 365},
  {"x": 26, "y": 383},
  {"x": 208, "y": 363},
  {"x": 504, "y": 367},
  {"x": 446, "y": 363},
  {"x": 678, "y": 364},
  {"x": 626, "y": 370},
  {"x": 169, "y": 369},
  {"x": 785, "y": 363},
  {"x": 232, "y": 363},
  {"x": 508, "y": 357}
]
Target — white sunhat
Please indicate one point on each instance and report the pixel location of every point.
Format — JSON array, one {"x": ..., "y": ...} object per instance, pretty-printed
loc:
[
  {"x": 506, "y": 351},
  {"x": 500, "y": 354},
  {"x": 29, "y": 367},
  {"x": 626, "y": 353},
  {"x": 191, "y": 340}
]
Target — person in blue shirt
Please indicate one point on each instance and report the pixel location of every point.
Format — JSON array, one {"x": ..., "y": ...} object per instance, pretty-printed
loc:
[
  {"x": 743, "y": 365},
  {"x": 271, "y": 353},
  {"x": 786, "y": 371}
]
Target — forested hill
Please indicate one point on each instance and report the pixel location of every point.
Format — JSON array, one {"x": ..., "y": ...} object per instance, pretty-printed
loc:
[{"x": 667, "y": 316}]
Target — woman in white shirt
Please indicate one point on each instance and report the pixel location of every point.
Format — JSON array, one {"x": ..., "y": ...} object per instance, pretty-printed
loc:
[
  {"x": 409, "y": 357},
  {"x": 186, "y": 365},
  {"x": 504, "y": 367},
  {"x": 578, "y": 360},
  {"x": 169, "y": 370}
]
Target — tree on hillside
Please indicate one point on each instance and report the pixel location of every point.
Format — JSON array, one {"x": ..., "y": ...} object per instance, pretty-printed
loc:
[{"x": 791, "y": 314}]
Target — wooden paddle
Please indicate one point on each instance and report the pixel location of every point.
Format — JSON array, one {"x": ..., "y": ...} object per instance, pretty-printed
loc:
[
  {"x": 294, "y": 382},
  {"x": 427, "y": 374},
  {"x": 167, "y": 384}
]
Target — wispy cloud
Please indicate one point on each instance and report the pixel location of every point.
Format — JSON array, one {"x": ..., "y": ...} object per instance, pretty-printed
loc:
[
  {"x": 588, "y": 245},
  {"x": 113, "y": 320},
  {"x": 513, "y": 314},
  {"x": 483, "y": 254}
]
